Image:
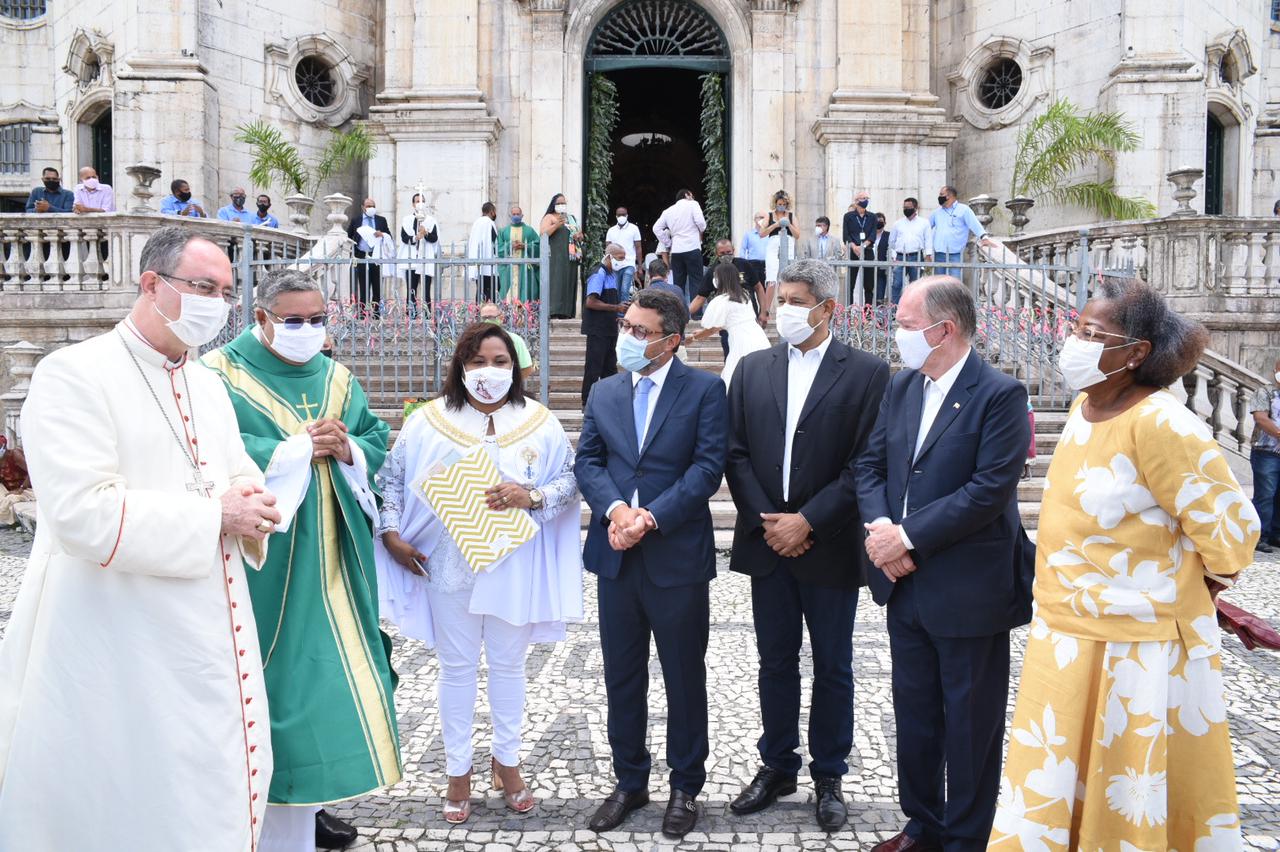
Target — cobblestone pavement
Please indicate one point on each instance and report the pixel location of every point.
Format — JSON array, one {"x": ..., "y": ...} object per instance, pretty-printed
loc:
[{"x": 566, "y": 756}]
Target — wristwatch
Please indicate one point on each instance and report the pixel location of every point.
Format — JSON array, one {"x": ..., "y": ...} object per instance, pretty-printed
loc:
[{"x": 535, "y": 498}]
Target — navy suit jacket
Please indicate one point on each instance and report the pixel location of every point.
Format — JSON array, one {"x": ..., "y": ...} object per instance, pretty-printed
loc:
[
  {"x": 676, "y": 472},
  {"x": 974, "y": 561}
]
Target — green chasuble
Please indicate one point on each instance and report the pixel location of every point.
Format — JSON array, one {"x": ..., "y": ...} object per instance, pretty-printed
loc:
[
  {"x": 326, "y": 662},
  {"x": 527, "y": 275}
]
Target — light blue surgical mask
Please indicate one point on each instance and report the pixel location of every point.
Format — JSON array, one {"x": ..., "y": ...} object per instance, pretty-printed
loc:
[{"x": 631, "y": 351}]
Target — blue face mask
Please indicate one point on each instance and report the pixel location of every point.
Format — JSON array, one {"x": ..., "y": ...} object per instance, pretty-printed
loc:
[
  {"x": 631, "y": 352},
  {"x": 516, "y": 220}
]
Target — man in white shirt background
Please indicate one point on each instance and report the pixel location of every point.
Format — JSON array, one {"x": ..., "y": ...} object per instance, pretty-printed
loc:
[
  {"x": 681, "y": 226},
  {"x": 626, "y": 234},
  {"x": 911, "y": 241}
]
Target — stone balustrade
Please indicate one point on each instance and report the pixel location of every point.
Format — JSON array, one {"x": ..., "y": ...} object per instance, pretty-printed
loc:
[{"x": 1218, "y": 390}]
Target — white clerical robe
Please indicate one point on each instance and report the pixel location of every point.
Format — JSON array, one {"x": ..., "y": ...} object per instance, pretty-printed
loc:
[
  {"x": 482, "y": 244},
  {"x": 132, "y": 709}
]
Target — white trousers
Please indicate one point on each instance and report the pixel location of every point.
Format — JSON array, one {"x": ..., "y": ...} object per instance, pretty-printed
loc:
[
  {"x": 288, "y": 828},
  {"x": 459, "y": 636}
]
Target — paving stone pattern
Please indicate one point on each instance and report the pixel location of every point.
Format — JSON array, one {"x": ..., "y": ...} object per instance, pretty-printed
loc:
[{"x": 566, "y": 755}]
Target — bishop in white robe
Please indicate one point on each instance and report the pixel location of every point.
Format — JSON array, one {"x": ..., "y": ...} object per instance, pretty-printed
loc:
[{"x": 132, "y": 709}]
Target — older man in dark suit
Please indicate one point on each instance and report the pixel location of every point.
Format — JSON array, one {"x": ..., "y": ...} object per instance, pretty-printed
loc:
[
  {"x": 650, "y": 456},
  {"x": 799, "y": 414},
  {"x": 367, "y": 277},
  {"x": 939, "y": 479}
]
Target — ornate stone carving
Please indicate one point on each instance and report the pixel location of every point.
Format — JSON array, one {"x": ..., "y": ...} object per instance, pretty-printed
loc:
[
  {"x": 1035, "y": 64},
  {"x": 1229, "y": 60},
  {"x": 143, "y": 176},
  {"x": 89, "y": 59},
  {"x": 1184, "y": 181},
  {"x": 318, "y": 50}
]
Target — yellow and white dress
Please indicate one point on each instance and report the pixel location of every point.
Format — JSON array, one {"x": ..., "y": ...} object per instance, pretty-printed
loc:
[{"x": 1119, "y": 738}]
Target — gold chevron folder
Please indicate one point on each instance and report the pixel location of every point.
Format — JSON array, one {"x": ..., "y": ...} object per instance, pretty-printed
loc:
[{"x": 456, "y": 493}]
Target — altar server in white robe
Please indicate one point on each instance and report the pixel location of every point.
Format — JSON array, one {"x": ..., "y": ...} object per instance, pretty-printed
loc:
[
  {"x": 426, "y": 585},
  {"x": 482, "y": 245},
  {"x": 132, "y": 709}
]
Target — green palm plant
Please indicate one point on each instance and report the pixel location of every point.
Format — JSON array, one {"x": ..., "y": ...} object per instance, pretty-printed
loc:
[
  {"x": 277, "y": 162},
  {"x": 1060, "y": 142}
]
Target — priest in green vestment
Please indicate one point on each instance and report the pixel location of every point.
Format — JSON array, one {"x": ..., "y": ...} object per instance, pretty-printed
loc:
[
  {"x": 518, "y": 240},
  {"x": 306, "y": 422}
]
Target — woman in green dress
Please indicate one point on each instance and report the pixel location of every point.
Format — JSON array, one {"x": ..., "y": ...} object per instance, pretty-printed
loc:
[{"x": 562, "y": 290}]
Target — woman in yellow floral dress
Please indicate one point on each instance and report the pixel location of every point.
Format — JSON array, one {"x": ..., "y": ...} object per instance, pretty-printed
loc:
[{"x": 1119, "y": 739}]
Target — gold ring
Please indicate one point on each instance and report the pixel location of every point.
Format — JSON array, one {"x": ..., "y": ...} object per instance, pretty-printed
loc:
[{"x": 265, "y": 526}]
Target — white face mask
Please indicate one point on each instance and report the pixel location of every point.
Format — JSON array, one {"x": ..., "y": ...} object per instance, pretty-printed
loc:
[
  {"x": 200, "y": 318},
  {"x": 913, "y": 347},
  {"x": 1278, "y": 378},
  {"x": 793, "y": 323},
  {"x": 1078, "y": 362},
  {"x": 420, "y": 208},
  {"x": 818, "y": 230},
  {"x": 488, "y": 384},
  {"x": 297, "y": 345},
  {"x": 622, "y": 220},
  {"x": 91, "y": 183},
  {"x": 562, "y": 208},
  {"x": 371, "y": 211}
]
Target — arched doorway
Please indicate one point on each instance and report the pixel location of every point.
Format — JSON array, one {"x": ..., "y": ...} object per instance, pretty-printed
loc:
[{"x": 657, "y": 54}]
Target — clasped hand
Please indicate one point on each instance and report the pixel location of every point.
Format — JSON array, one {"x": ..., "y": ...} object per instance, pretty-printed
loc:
[
  {"x": 884, "y": 546},
  {"x": 245, "y": 507},
  {"x": 786, "y": 533},
  {"x": 329, "y": 438},
  {"x": 507, "y": 495},
  {"x": 627, "y": 526}
]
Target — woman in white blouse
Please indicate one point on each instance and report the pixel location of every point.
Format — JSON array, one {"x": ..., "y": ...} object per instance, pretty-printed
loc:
[
  {"x": 730, "y": 309},
  {"x": 425, "y": 582}
]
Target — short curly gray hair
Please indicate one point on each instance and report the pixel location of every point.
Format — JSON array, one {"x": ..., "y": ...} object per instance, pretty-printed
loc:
[
  {"x": 818, "y": 274},
  {"x": 1176, "y": 342},
  {"x": 273, "y": 284}
]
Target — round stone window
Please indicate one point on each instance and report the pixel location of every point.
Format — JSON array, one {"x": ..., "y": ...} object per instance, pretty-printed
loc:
[
  {"x": 1000, "y": 84},
  {"x": 314, "y": 77}
]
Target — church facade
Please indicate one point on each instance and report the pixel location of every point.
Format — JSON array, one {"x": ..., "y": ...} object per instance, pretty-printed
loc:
[{"x": 477, "y": 100}]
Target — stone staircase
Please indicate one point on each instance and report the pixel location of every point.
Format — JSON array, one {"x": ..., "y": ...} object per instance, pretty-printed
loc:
[{"x": 568, "y": 349}]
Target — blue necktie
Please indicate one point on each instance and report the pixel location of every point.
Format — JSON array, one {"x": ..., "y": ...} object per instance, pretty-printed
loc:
[{"x": 640, "y": 407}]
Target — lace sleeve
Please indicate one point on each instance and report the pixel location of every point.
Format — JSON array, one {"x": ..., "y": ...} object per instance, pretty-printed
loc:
[
  {"x": 391, "y": 483},
  {"x": 559, "y": 493}
]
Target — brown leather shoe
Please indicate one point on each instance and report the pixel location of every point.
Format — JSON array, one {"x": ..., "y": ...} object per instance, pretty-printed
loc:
[
  {"x": 615, "y": 808},
  {"x": 903, "y": 842},
  {"x": 681, "y": 815}
]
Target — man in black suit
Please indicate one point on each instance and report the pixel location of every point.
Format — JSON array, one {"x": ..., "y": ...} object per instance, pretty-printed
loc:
[
  {"x": 650, "y": 456},
  {"x": 367, "y": 277},
  {"x": 939, "y": 483},
  {"x": 799, "y": 414},
  {"x": 859, "y": 229}
]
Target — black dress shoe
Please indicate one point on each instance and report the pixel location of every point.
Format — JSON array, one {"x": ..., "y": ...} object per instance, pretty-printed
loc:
[
  {"x": 832, "y": 812},
  {"x": 682, "y": 814},
  {"x": 903, "y": 842},
  {"x": 333, "y": 833},
  {"x": 615, "y": 808},
  {"x": 763, "y": 791},
  {"x": 1263, "y": 547}
]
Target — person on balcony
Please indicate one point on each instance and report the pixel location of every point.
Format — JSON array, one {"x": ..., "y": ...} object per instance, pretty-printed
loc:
[
  {"x": 50, "y": 197},
  {"x": 1264, "y": 458},
  {"x": 367, "y": 232},
  {"x": 263, "y": 218},
  {"x": 859, "y": 230},
  {"x": 91, "y": 195},
  {"x": 235, "y": 211},
  {"x": 910, "y": 241},
  {"x": 1120, "y": 737},
  {"x": 482, "y": 245},
  {"x": 180, "y": 203},
  {"x": 952, "y": 223}
]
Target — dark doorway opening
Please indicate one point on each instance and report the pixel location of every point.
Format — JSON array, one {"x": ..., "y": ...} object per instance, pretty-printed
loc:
[
  {"x": 100, "y": 142},
  {"x": 657, "y": 148},
  {"x": 1214, "y": 145}
]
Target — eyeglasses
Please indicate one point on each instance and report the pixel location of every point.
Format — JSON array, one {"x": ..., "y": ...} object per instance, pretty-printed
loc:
[
  {"x": 1091, "y": 334},
  {"x": 639, "y": 332},
  {"x": 295, "y": 323},
  {"x": 205, "y": 288}
]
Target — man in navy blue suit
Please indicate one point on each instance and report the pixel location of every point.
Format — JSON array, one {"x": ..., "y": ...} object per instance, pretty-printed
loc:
[
  {"x": 651, "y": 454},
  {"x": 939, "y": 479}
]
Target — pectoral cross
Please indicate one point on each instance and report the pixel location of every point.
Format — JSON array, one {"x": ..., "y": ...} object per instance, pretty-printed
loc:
[
  {"x": 198, "y": 484},
  {"x": 307, "y": 406}
]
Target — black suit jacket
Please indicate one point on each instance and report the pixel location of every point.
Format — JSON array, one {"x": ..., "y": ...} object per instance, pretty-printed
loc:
[
  {"x": 357, "y": 221},
  {"x": 835, "y": 423},
  {"x": 974, "y": 561}
]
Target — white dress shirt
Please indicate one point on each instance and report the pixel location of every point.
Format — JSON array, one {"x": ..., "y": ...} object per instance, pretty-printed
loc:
[
  {"x": 626, "y": 236},
  {"x": 802, "y": 369},
  {"x": 909, "y": 236},
  {"x": 935, "y": 393},
  {"x": 682, "y": 223},
  {"x": 658, "y": 376}
]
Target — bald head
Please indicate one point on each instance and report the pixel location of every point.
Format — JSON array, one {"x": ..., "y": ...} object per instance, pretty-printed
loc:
[{"x": 87, "y": 172}]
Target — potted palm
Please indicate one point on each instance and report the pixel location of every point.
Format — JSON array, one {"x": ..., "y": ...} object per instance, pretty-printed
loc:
[
  {"x": 278, "y": 163},
  {"x": 1060, "y": 142}
]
